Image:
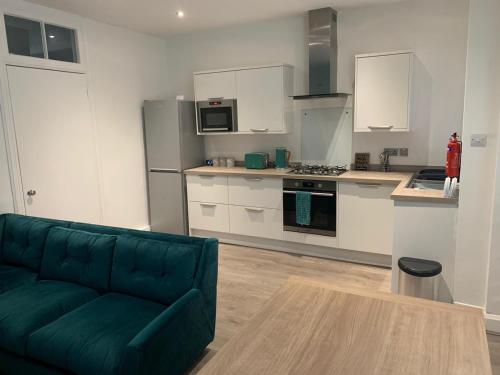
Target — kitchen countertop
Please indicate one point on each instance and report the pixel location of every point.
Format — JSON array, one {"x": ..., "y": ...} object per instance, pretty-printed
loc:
[{"x": 398, "y": 179}]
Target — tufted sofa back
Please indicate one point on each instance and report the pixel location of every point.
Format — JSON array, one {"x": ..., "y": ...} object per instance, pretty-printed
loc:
[
  {"x": 159, "y": 271},
  {"x": 22, "y": 240},
  {"x": 80, "y": 257}
]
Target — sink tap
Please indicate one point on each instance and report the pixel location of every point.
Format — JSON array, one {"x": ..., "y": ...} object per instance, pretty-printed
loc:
[{"x": 384, "y": 160}]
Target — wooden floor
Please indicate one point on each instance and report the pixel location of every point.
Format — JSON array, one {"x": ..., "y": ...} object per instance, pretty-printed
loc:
[{"x": 248, "y": 277}]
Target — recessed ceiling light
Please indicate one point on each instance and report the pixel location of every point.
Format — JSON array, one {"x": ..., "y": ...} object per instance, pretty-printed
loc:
[
  {"x": 51, "y": 36},
  {"x": 180, "y": 13}
]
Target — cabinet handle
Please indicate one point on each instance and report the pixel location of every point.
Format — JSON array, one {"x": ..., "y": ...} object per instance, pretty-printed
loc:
[
  {"x": 374, "y": 127},
  {"x": 259, "y": 130},
  {"x": 254, "y": 209},
  {"x": 253, "y": 178},
  {"x": 219, "y": 98},
  {"x": 208, "y": 205},
  {"x": 367, "y": 184},
  {"x": 206, "y": 176}
]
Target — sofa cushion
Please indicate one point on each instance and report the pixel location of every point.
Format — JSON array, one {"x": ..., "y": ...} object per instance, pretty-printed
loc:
[
  {"x": 23, "y": 241},
  {"x": 92, "y": 339},
  {"x": 24, "y": 310},
  {"x": 159, "y": 271},
  {"x": 12, "y": 277},
  {"x": 79, "y": 257}
]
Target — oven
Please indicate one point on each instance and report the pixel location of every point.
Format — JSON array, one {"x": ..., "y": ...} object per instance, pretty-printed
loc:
[
  {"x": 217, "y": 115},
  {"x": 323, "y": 206}
]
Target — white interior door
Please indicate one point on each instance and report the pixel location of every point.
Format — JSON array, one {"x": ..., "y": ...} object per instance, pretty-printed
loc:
[{"x": 55, "y": 143}]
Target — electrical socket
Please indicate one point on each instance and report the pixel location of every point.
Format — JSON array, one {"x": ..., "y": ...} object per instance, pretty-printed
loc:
[
  {"x": 403, "y": 152},
  {"x": 392, "y": 151}
]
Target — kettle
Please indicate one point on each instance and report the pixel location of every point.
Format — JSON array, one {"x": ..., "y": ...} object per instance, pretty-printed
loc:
[{"x": 282, "y": 157}]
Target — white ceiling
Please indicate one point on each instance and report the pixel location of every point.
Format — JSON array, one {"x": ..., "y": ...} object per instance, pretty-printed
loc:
[{"x": 158, "y": 16}]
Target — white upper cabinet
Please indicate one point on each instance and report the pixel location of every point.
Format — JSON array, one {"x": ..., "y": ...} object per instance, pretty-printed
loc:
[
  {"x": 383, "y": 92},
  {"x": 261, "y": 100},
  {"x": 264, "y": 104},
  {"x": 215, "y": 85}
]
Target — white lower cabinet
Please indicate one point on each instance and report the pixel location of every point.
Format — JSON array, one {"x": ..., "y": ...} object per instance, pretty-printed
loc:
[
  {"x": 256, "y": 191},
  {"x": 256, "y": 222},
  {"x": 365, "y": 217},
  {"x": 209, "y": 216},
  {"x": 207, "y": 188}
]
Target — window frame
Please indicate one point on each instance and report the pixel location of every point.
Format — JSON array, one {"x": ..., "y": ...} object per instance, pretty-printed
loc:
[{"x": 72, "y": 22}]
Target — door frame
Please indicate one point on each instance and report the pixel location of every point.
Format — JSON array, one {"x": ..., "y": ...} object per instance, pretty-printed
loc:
[{"x": 6, "y": 111}]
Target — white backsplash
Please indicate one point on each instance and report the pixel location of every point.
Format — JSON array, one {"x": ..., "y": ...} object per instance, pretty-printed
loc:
[{"x": 320, "y": 135}]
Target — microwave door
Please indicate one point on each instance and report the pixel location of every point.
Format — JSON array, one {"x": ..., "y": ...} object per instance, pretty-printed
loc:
[{"x": 216, "y": 119}]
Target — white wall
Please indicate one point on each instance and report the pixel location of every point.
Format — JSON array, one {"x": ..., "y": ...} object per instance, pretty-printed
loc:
[
  {"x": 481, "y": 116},
  {"x": 435, "y": 30},
  {"x": 259, "y": 43},
  {"x": 6, "y": 201},
  {"x": 123, "y": 69}
]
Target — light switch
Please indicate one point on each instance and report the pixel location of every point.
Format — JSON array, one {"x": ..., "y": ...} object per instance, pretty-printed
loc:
[{"x": 478, "y": 140}]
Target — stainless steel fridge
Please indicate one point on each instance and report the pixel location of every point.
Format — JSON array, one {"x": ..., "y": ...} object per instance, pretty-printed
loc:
[{"x": 172, "y": 146}]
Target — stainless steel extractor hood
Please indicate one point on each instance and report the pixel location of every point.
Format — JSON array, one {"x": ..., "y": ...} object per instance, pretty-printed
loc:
[{"x": 322, "y": 50}]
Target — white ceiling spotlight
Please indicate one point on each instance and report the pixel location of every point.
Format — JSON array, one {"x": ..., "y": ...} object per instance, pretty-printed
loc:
[
  {"x": 52, "y": 36},
  {"x": 180, "y": 14}
]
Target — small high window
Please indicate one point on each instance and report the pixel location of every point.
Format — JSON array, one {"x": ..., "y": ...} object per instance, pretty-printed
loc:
[
  {"x": 38, "y": 39},
  {"x": 24, "y": 37},
  {"x": 61, "y": 43}
]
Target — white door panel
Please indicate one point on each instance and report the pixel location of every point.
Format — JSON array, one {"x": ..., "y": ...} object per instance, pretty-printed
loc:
[{"x": 55, "y": 142}]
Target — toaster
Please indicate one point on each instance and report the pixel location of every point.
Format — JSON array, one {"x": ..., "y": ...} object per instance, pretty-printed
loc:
[{"x": 256, "y": 160}]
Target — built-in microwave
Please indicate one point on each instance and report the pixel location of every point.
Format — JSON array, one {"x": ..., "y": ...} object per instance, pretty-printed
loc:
[{"x": 217, "y": 115}]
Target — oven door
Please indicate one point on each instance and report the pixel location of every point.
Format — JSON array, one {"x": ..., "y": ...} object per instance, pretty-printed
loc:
[
  {"x": 323, "y": 213},
  {"x": 217, "y": 116}
]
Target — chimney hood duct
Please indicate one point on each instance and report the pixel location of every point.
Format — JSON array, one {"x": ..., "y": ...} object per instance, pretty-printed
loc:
[{"x": 322, "y": 50}]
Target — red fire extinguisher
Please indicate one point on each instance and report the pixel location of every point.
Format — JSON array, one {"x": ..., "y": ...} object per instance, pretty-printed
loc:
[{"x": 453, "y": 157}]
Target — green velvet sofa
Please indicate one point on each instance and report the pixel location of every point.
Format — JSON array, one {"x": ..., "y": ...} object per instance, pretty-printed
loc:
[{"x": 86, "y": 299}]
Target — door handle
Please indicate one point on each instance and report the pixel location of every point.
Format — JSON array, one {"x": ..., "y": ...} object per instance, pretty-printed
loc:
[
  {"x": 164, "y": 170},
  {"x": 259, "y": 130},
  {"x": 30, "y": 193}
]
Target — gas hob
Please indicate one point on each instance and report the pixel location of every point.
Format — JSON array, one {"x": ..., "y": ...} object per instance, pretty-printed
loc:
[{"x": 318, "y": 170}]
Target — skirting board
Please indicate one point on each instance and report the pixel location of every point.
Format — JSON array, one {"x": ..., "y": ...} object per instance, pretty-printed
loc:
[
  {"x": 492, "y": 323},
  {"x": 298, "y": 248}
]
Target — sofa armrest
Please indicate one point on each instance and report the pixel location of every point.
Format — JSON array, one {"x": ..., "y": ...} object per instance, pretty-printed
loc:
[
  {"x": 206, "y": 279},
  {"x": 173, "y": 341}
]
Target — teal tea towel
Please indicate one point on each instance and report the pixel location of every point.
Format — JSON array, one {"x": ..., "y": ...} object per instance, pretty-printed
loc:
[{"x": 303, "y": 208}]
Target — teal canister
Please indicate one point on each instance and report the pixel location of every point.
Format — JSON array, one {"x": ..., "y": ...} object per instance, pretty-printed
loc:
[{"x": 282, "y": 157}]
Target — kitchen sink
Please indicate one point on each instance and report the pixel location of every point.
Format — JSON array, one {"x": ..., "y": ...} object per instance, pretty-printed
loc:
[{"x": 426, "y": 184}]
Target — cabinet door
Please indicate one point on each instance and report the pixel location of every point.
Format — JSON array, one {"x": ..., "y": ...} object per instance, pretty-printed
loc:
[
  {"x": 215, "y": 85},
  {"x": 260, "y": 100},
  {"x": 365, "y": 217},
  {"x": 256, "y": 192},
  {"x": 256, "y": 222},
  {"x": 209, "y": 216},
  {"x": 382, "y": 93},
  {"x": 207, "y": 188}
]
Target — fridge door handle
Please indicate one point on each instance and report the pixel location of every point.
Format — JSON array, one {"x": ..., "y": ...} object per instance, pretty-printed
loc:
[{"x": 164, "y": 170}]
